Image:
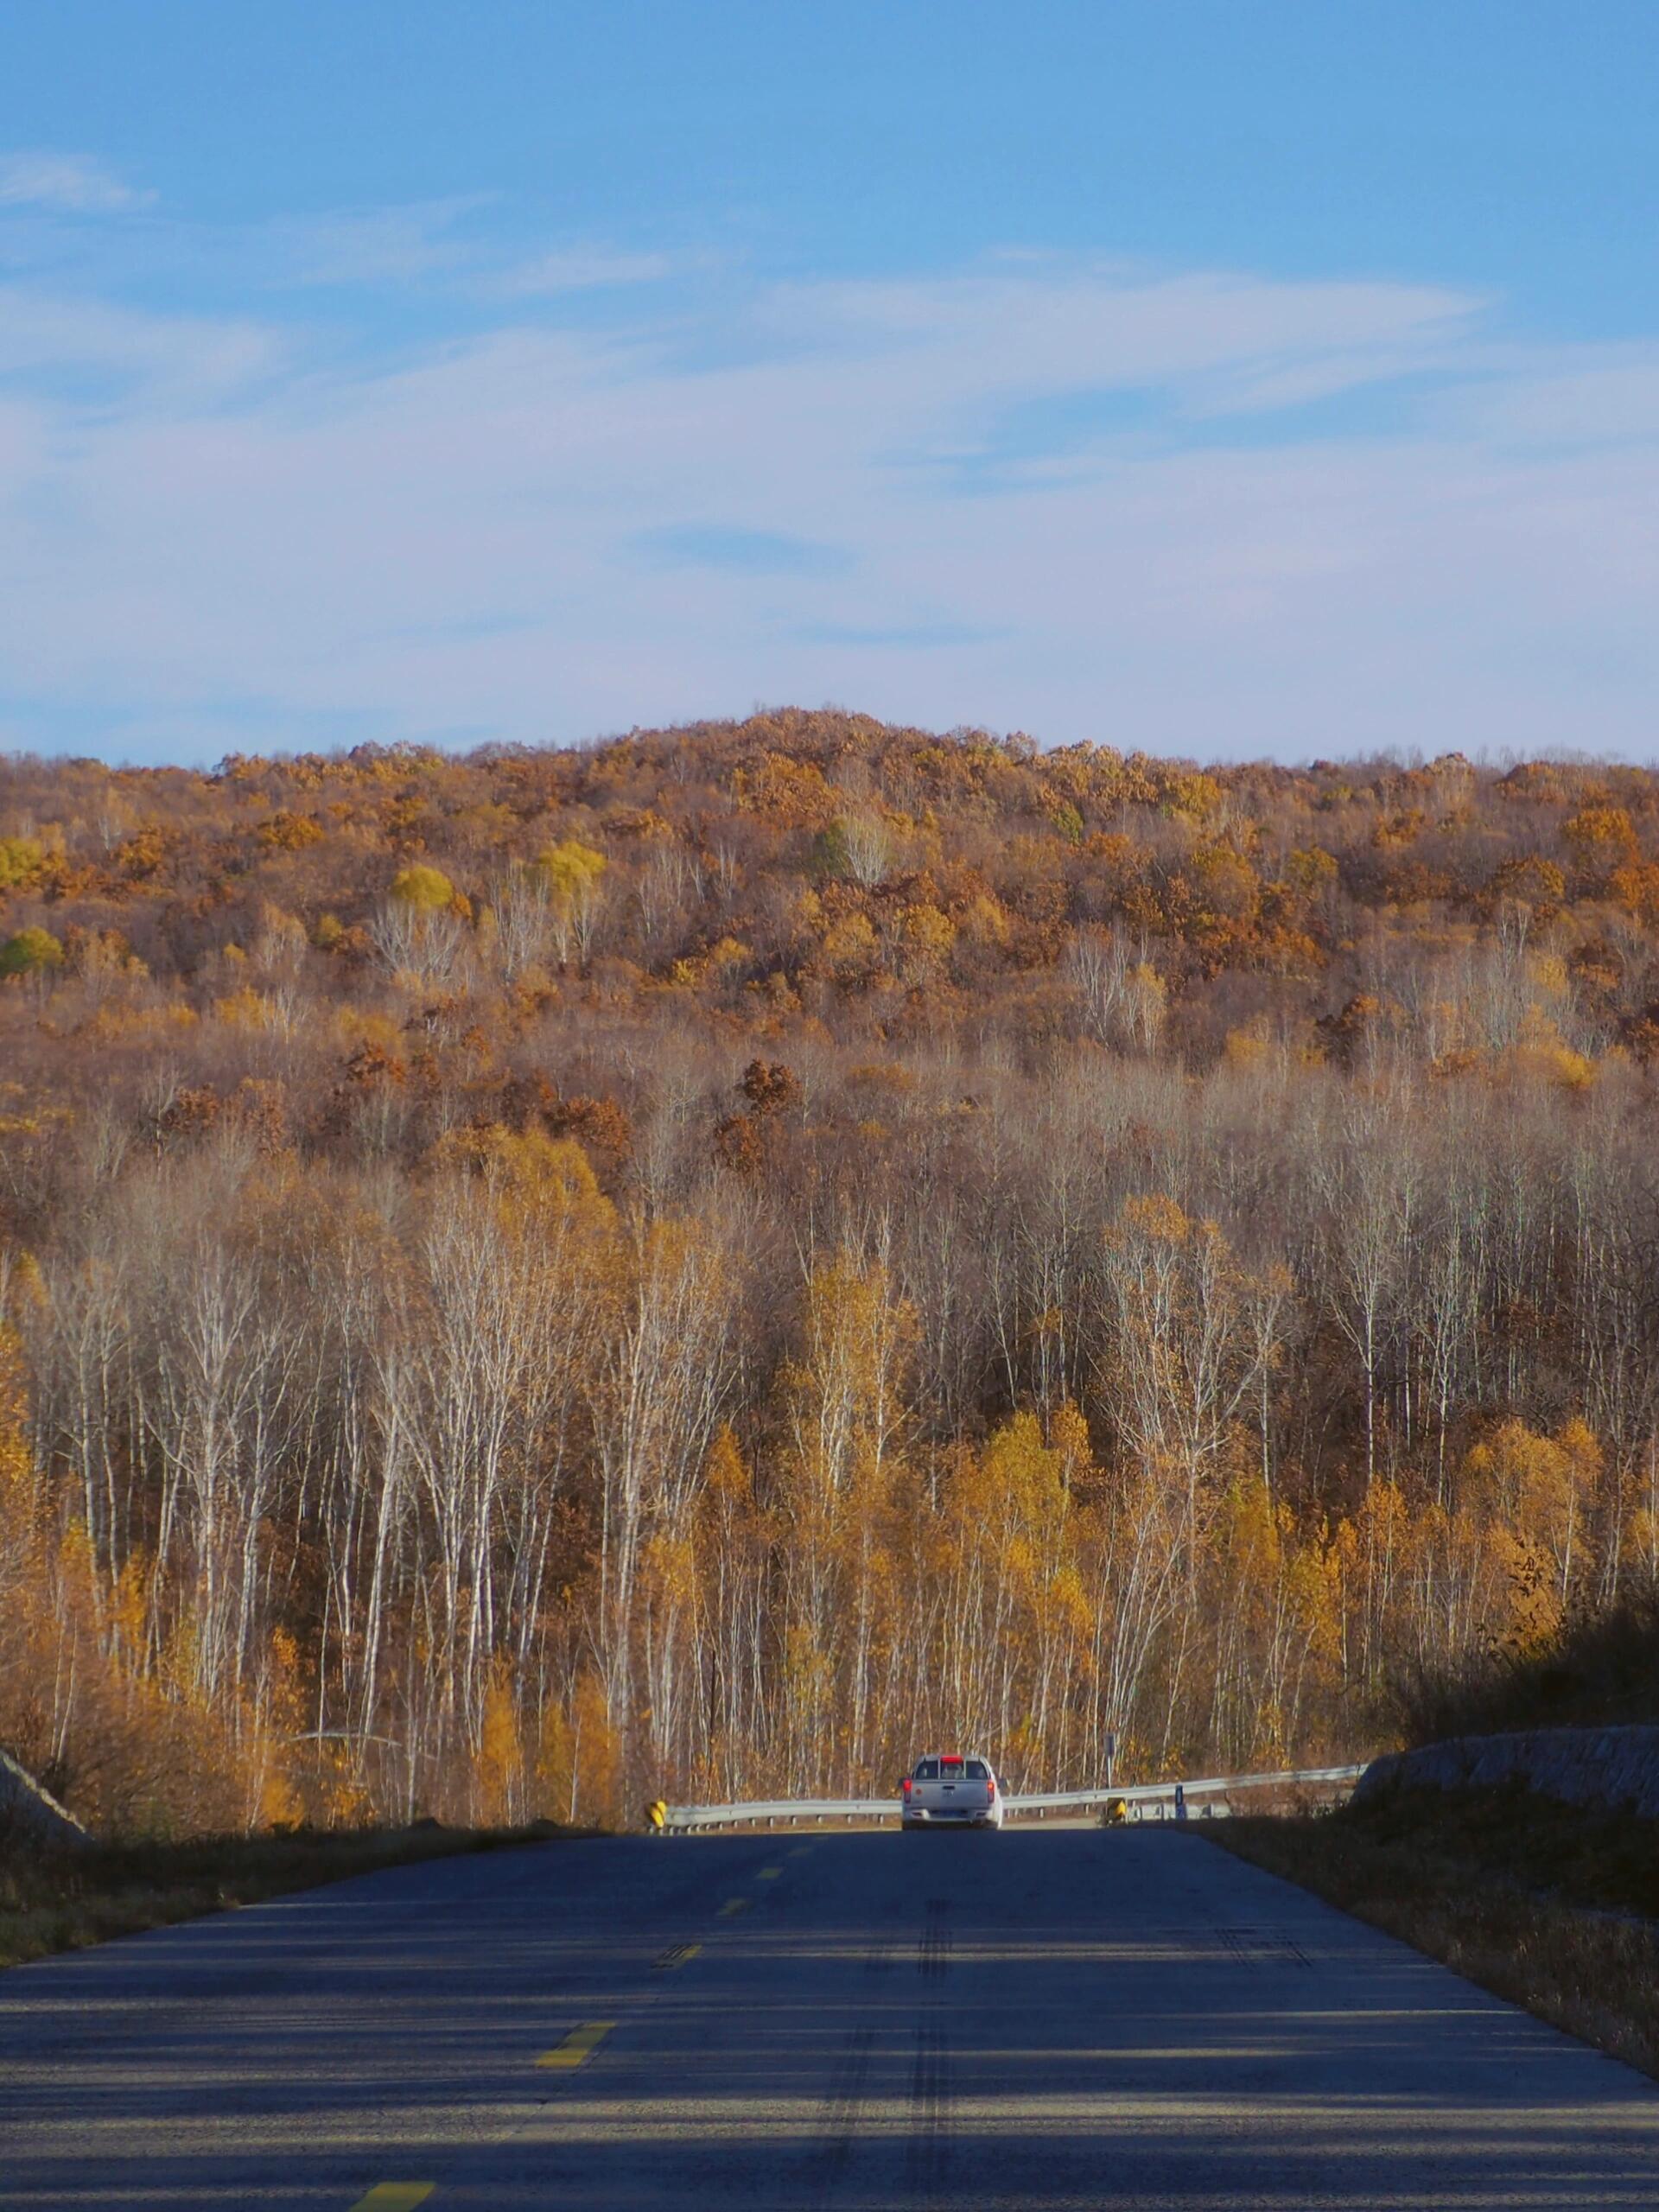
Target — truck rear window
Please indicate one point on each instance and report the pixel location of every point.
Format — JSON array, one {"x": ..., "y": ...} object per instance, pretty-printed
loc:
[
  {"x": 927, "y": 1770},
  {"x": 978, "y": 1771}
]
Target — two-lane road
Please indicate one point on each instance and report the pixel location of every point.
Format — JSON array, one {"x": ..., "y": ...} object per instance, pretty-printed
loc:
[{"x": 1037, "y": 2020}]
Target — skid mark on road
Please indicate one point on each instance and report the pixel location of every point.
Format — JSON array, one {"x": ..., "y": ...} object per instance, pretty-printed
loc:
[
  {"x": 933, "y": 1951},
  {"x": 927, "y": 2150},
  {"x": 1262, "y": 1947},
  {"x": 841, "y": 2105},
  {"x": 676, "y": 1956}
]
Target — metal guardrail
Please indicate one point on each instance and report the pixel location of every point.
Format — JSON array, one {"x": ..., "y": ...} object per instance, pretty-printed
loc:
[
  {"x": 789, "y": 1810},
  {"x": 793, "y": 1812},
  {"x": 1147, "y": 1792}
]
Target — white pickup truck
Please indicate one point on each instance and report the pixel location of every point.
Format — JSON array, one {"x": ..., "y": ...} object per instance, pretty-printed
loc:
[{"x": 946, "y": 1790}]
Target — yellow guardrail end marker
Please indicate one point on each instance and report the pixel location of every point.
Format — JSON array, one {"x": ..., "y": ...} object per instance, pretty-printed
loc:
[{"x": 577, "y": 2047}]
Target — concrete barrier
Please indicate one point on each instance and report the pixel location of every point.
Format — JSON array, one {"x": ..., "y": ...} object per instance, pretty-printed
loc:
[
  {"x": 25, "y": 1804},
  {"x": 1615, "y": 1767}
]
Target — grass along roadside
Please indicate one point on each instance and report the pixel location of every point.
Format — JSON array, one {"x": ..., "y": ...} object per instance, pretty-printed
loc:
[
  {"x": 54, "y": 1900},
  {"x": 1555, "y": 1907}
]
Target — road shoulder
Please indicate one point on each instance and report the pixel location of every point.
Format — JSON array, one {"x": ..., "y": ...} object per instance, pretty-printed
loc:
[{"x": 1554, "y": 1907}]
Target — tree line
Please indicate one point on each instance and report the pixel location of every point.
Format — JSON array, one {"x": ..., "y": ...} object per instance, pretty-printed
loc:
[{"x": 687, "y": 1266}]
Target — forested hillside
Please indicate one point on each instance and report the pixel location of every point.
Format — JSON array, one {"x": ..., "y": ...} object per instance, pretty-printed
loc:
[{"x": 696, "y": 1264}]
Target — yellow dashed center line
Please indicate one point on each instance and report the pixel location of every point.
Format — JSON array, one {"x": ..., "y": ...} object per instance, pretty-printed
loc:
[
  {"x": 769, "y": 1873},
  {"x": 395, "y": 2197},
  {"x": 732, "y": 1907},
  {"x": 800, "y": 1851},
  {"x": 578, "y": 2044},
  {"x": 681, "y": 1955}
]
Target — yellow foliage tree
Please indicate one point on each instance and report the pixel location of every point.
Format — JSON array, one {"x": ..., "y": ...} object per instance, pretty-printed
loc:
[
  {"x": 498, "y": 1761},
  {"x": 572, "y": 873},
  {"x": 426, "y": 890}
]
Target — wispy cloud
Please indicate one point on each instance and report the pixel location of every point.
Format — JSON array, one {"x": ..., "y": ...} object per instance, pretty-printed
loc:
[
  {"x": 87, "y": 358},
  {"x": 739, "y": 552},
  {"x": 378, "y": 245},
  {"x": 542, "y": 526},
  {"x": 73, "y": 184},
  {"x": 584, "y": 269},
  {"x": 442, "y": 242},
  {"x": 896, "y": 636}
]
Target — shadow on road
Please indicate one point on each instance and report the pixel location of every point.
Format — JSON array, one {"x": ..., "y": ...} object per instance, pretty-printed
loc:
[{"x": 1039, "y": 2019}]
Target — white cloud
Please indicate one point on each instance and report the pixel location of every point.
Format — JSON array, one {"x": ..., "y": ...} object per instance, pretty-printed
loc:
[
  {"x": 585, "y": 269},
  {"x": 1583, "y": 398},
  {"x": 449, "y": 546},
  {"x": 434, "y": 243},
  {"x": 122, "y": 357},
  {"x": 73, "y": 184},
  {"x": 376, "y": 245}
]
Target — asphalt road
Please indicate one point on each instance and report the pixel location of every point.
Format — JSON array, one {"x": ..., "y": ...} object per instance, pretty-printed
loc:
[{"x": 1035, "y": 2020}]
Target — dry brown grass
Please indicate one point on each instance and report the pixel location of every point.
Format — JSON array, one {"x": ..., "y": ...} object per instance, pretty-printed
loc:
[
  {"x": 54, "y": 1900},
  {"x": 1550, "y": 1906}
]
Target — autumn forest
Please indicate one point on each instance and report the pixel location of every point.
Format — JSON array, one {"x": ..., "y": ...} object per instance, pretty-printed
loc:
[{"x": 694, "y": 1264}]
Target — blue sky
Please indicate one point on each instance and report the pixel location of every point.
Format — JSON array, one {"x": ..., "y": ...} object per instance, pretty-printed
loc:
[{"x": 1221, "y": 379}]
